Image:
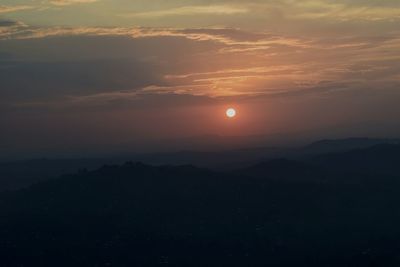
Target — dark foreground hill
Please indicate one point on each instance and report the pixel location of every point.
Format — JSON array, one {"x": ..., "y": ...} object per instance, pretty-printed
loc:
[
  {"x": 139, "y": 215},
  {"x": 383, "y": 159}
]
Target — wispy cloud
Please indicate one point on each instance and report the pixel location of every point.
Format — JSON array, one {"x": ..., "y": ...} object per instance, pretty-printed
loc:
[
  {"x": 346, "y": 12},
  {"x": 191, "y": 10},
  {"x": 236, "y": 40},
  {"x": 71, "y": 2},
  {"x": 217, "y": 62},
  {"x": 9, "y": 9}
]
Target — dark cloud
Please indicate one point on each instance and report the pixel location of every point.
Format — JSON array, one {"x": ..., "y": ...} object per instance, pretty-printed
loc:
[
  {"x": 7, "y": 23},
  {"x": 39, "y": 81}
]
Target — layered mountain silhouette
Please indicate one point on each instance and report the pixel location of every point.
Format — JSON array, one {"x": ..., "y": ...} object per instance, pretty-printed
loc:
[
  {"x": 19, "y": 174},
  {"x": 340, "y": 145},
  {"x": 338, "y": 209},
  {"x": 285, "y": 170},
  {"x": 379, "y": 159}
]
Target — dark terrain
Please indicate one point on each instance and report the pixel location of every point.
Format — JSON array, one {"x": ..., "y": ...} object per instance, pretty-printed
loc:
[
  {"x": 22, "y": 173},
  {"x": 338, "y": 208}
]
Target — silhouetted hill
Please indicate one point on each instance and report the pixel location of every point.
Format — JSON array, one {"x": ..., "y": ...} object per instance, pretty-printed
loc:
[
  {"x": 379, "y": 159},
  {"x": 340, "y": 145},
  {"x": 141, "y": 215},
  {"x": 18, "y": 174},
  {"x": 285, "y": 170},
  {"x": 220, "y": 160}
]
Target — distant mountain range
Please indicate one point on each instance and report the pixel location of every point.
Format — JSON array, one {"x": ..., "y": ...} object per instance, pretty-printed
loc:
[
  {"x": 378, "y": 159},
  {"x": 17, "y": 174},
  {"x": 329, "y": 146}
]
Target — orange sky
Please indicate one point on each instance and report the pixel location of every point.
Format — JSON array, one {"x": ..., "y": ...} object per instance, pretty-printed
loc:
[{"x": 105, "y": 72}]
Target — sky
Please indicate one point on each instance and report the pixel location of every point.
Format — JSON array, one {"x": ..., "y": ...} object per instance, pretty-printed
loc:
[{"x": 94, "y": 76}]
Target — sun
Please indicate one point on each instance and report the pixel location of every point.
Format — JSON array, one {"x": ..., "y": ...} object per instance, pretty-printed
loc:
[{"x": 230, "y": 112}]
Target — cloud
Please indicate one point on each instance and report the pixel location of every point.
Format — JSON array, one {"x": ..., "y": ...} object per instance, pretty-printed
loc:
[
  {"x": 70, "y": 2},
  {"x": 68, "y": 64},
  {"x": 10, "y": 9},
  {"x": 346, "y": 12},
  {"x": 190, "y": 11},
  {"x": 46, "y": 81},
  {"x": 236, "y": 40},
  {"x": 341, "y": 10},
  {"x": 8, "y": 23}
]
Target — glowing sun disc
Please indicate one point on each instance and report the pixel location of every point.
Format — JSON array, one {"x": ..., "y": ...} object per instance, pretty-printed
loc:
[{"x": 230, "y": 112}]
